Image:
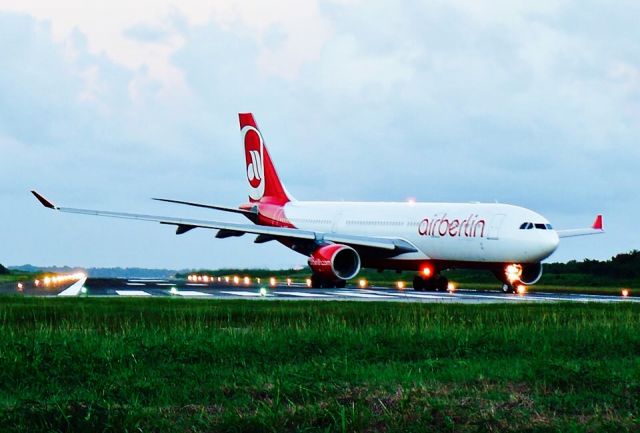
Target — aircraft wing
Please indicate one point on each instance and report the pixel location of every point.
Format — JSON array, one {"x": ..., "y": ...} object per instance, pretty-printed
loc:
[
  {"x": 595, "y": 229},
  {"x": 226, "y": 229}
]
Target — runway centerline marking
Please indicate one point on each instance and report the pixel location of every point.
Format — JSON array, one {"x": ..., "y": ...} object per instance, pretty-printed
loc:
[
  {"x": 360, "y": 295},
  {"x": 242, "y": 293},
  {"x": 146, "y": 280},
  {"x": 302, "y": 294},
  {"x": 189, "y": 293},
  {"x": 132, "y": 293},
  {"x": 501, "y": 297}
]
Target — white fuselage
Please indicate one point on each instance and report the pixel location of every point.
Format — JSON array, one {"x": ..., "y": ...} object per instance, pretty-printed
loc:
[{"x": 455, "y": 232}]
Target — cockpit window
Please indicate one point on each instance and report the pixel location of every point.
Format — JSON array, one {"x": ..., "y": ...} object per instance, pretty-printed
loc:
[
  {"x": 526, "y": 226},
  {"x": 539, "y": 226}
]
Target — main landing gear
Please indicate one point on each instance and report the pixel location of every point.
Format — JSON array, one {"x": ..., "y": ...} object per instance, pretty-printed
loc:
[
  {"x": 323, "y": 283},
  {"x": 436, "y": 283}
]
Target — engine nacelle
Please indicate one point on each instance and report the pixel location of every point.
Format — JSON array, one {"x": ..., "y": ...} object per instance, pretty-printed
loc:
[
  {"x": 335, "y": 262},
  {"x": 527, "y": 273}
]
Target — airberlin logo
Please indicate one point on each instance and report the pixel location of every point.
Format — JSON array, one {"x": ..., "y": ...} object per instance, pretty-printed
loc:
[
  {"x": 319, "y": 262},
  {"x": 254, "y": 156},
  {"x": 471, "y": 227}
]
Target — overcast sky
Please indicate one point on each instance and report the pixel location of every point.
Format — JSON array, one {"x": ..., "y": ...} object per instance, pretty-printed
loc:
[{"x": 104, "y": 104}]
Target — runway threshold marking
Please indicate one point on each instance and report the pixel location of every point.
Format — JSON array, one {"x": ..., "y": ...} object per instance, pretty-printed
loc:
[
  {"x": 74, "y": 289},
  {"x": 132, "y": 293},
  {"x": 302, "y": 294}
]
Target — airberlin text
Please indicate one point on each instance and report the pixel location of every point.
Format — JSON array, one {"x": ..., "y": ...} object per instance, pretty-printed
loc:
[{"x": 470, "y": 227}]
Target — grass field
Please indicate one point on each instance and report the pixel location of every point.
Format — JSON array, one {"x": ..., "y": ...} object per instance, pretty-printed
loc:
[
  {"x": 15, "y": 277},
  {"x": 175, "y": 365}
]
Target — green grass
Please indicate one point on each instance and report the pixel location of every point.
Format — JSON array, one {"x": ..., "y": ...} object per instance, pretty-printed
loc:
[
  {"x": 15, "y": 277},
  {"x": 198, "y": 366}
]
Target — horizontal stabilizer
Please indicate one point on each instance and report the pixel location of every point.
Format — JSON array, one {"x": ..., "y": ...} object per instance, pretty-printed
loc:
[{"x": 249, "y": 213}]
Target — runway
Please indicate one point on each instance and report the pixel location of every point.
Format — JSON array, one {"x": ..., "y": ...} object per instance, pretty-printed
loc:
[{"x": 141, "y": 288}]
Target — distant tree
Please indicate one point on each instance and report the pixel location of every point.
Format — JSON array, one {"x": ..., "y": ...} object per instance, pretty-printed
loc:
[{"x": 3, "y": 270}]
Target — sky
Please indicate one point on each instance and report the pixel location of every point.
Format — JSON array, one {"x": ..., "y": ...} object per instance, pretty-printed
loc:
[{"x": 104, "y": 104}]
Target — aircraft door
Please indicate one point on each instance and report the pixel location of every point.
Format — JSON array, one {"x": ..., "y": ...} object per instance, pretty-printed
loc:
[
  {"x": 494, "y": 227},
  {"x": 338, "y": 223}
]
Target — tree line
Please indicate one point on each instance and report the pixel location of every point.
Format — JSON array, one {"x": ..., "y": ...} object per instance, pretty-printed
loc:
[{"x": 624, "y": 265}]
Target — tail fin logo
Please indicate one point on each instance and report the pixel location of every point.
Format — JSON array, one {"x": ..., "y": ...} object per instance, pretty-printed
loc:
[{"x": 254, "y": 157}]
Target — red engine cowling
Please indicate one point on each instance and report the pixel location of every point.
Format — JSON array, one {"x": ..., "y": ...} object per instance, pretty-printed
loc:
[{"x": 335, "y": 262}]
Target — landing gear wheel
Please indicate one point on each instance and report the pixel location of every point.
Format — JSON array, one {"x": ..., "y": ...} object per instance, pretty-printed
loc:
[
  {"x": 418, "y": 284},
  {"x": 441, "y": 284},
  {"x": 317, "y": 282},
  {"x": 508, "y": 288}
]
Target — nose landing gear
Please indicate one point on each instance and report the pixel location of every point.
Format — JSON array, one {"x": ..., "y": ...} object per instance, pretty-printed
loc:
[{"x": 508, "y": 288}]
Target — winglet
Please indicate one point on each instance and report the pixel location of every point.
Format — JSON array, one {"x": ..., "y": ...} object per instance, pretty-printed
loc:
[
  {"x": 597, "y": 224},
  {"x": 46, "y": 203}
]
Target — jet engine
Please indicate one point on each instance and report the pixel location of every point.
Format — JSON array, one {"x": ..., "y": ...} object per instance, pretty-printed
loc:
[
  {"x": 335, "y": 262},
  {"x": 527, "y": 273}
]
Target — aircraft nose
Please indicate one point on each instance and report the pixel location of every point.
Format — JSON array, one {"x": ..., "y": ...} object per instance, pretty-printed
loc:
[
  {"x": 543, "y": 246},
  {"x": 554, "y": 241},
  {"x": 550, "y": 243}
]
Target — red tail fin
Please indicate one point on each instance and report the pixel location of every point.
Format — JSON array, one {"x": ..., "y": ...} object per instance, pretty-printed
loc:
[{"x": 264, "y": 183}]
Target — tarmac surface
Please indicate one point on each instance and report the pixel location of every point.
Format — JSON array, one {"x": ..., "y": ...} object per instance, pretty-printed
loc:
[{"x": 94, "y": 287}]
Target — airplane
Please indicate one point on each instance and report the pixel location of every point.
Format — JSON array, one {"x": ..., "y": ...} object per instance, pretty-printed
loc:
[{"x": 341, "y": 238}]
